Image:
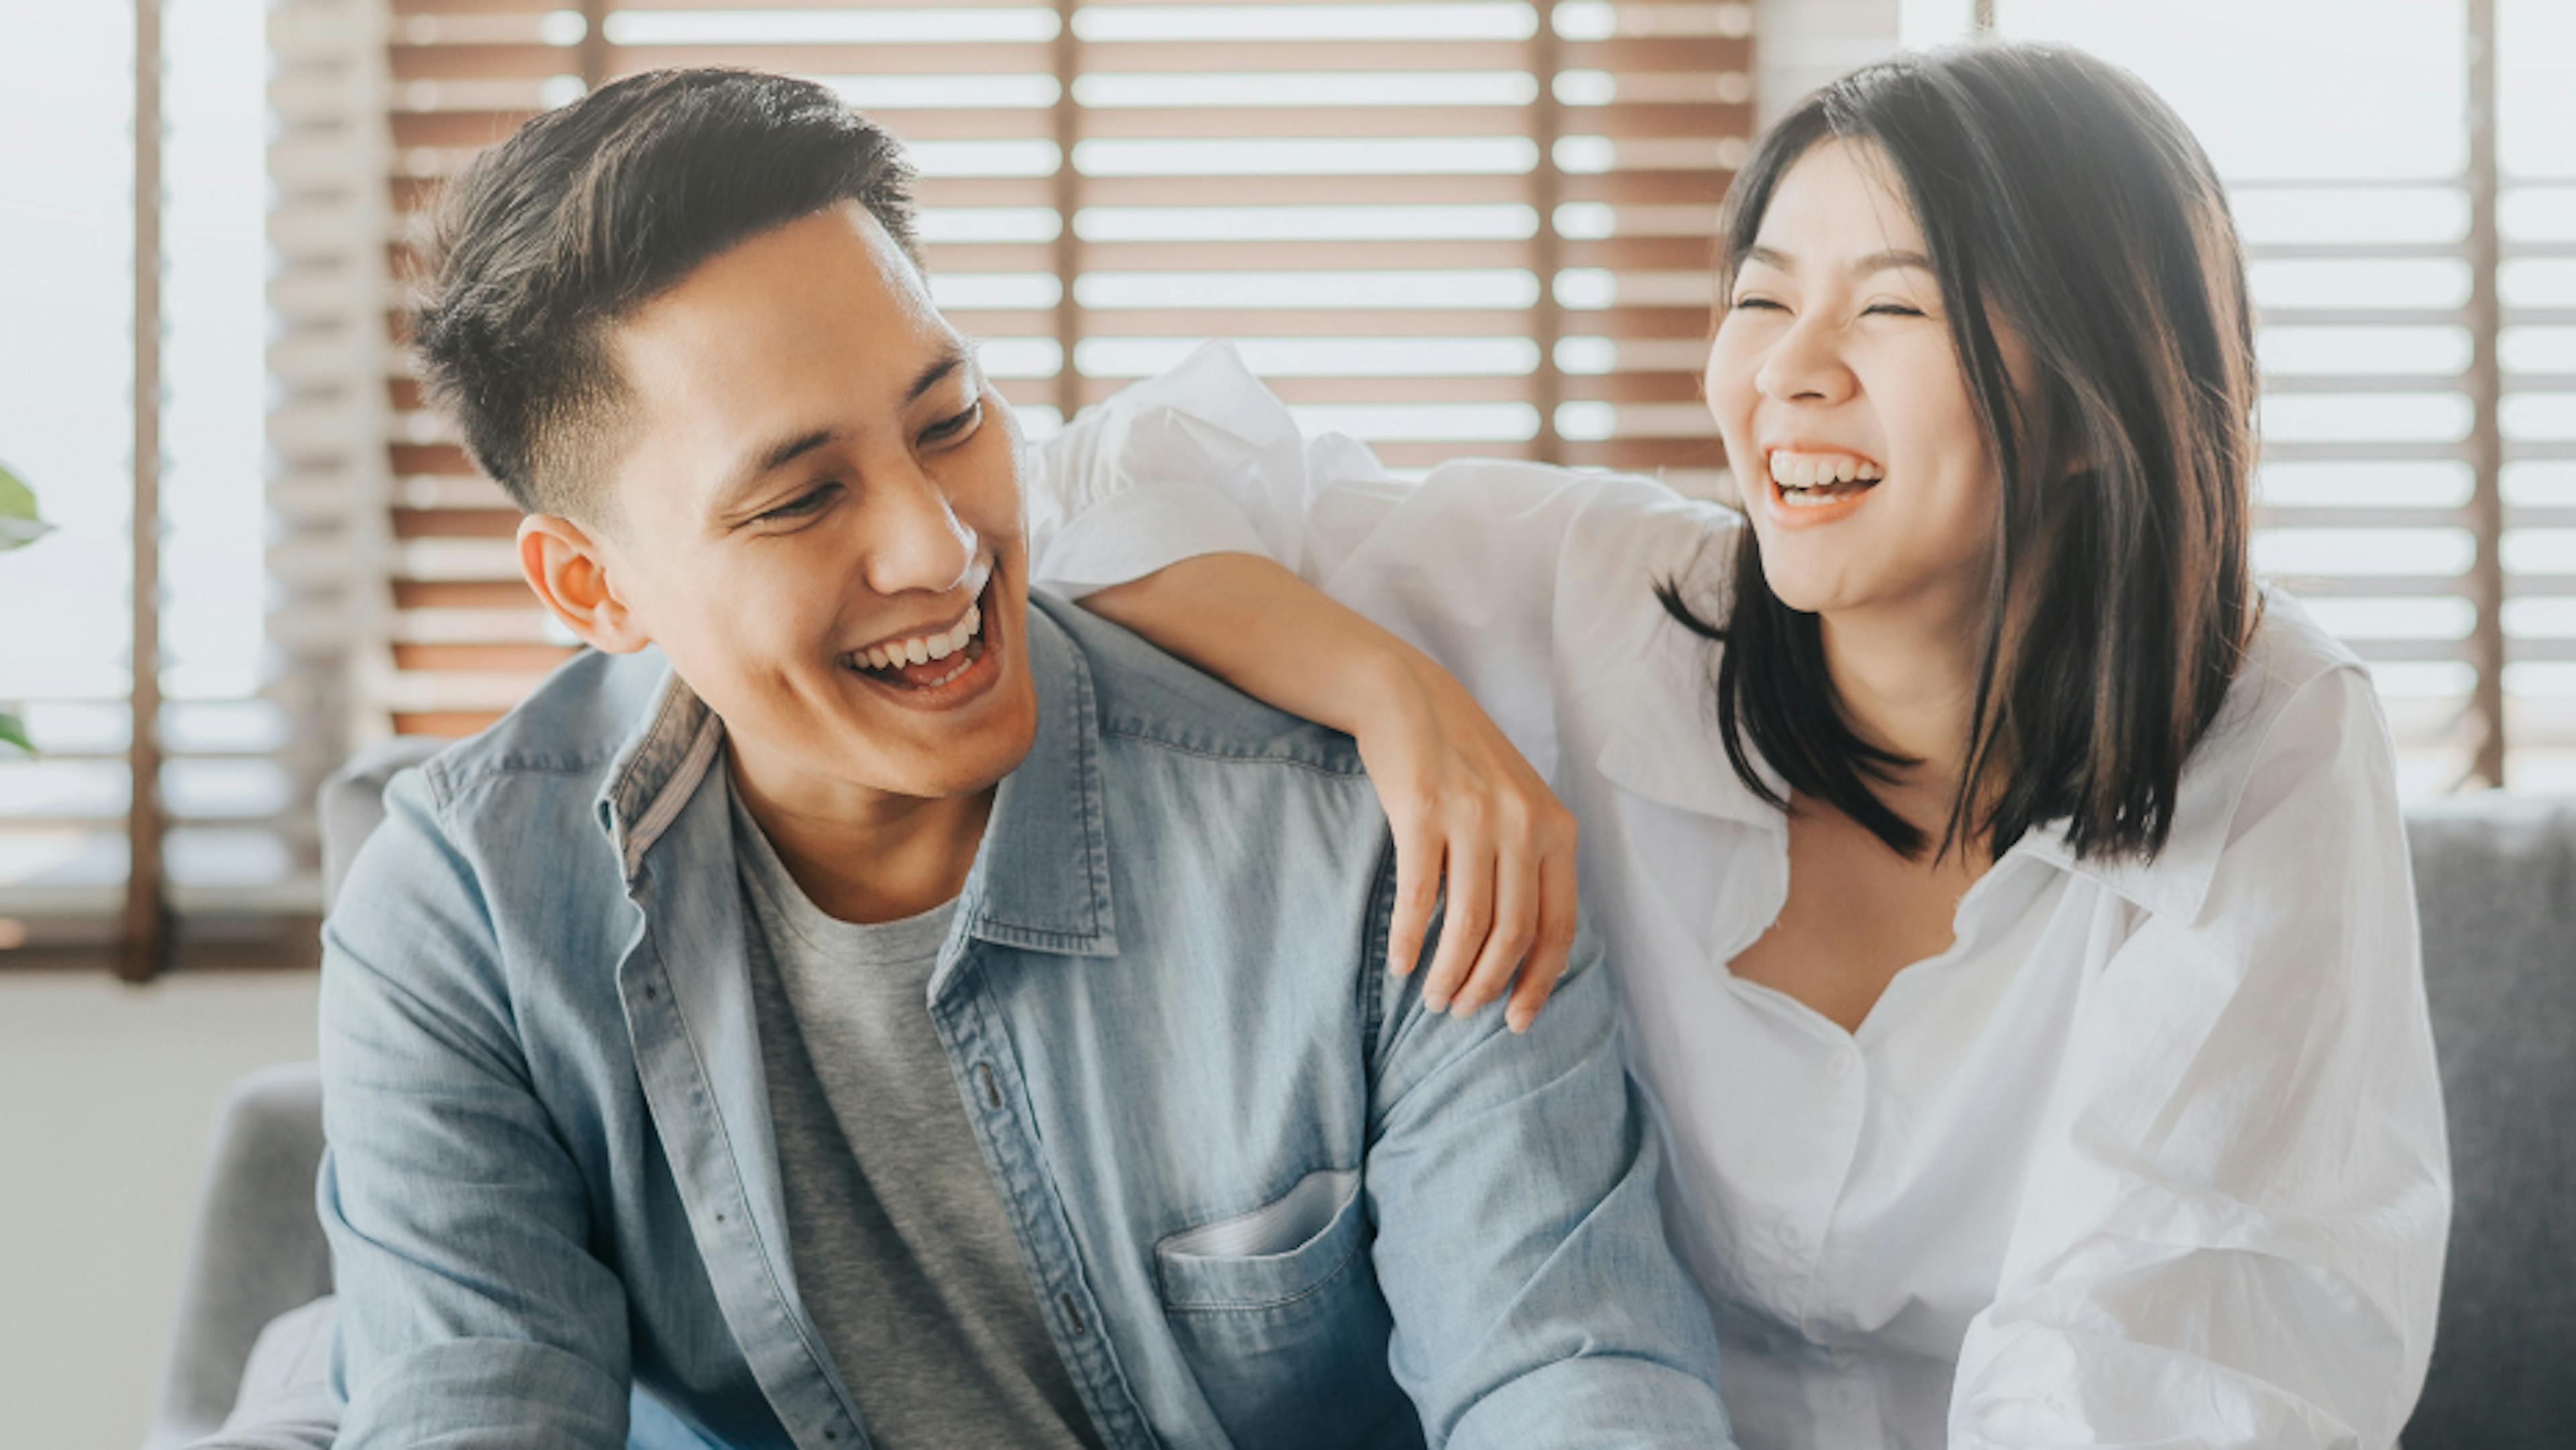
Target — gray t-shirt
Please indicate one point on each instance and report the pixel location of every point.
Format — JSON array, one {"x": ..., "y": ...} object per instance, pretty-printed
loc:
[{"x": 902, "y": 1253}]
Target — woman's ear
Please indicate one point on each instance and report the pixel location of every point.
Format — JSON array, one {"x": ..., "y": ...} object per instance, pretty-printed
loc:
[{"x": 578, "y": 578}]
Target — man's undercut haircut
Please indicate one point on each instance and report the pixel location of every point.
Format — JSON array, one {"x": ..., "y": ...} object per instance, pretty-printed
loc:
[{"x": 591, "y": 211}]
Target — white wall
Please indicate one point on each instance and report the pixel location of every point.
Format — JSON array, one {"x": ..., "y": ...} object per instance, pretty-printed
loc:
[
  {"x": 1799, "y": 45},
  {"x": 107, "y": 1095}
]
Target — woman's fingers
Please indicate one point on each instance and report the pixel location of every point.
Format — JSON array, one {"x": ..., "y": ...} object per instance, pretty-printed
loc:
[
  {"x": 1468, "y": 815},
  {"x": 1419, "y": 853},
  {"x": 1555, "y": 944},
  {"x": 1513, "y": 930},
  {"x": 1462, "y": 927}
]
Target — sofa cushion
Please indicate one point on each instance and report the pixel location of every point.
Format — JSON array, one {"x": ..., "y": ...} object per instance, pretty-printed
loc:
[{"x": 2495, "y": 877}]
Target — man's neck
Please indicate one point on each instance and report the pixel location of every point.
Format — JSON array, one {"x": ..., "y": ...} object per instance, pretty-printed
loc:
[{"x": 865, "y": 856}]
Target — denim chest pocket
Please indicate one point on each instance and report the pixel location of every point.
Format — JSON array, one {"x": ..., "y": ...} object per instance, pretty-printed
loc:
[
  {"x": 1277, "y": 1254},
  {"x": 1279, "y": 1315}
]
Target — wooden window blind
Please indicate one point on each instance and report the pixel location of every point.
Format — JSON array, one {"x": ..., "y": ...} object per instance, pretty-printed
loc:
[
  {"x": 2414, "y": 271},
  {"x": 1447, "y": 228},
  {"x": 178, "y": 677}
]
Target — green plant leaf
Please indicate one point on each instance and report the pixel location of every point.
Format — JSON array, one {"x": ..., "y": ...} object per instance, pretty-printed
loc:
[
  {"x": 19, "y": 525},
  {"x": 14, "y": 733}
]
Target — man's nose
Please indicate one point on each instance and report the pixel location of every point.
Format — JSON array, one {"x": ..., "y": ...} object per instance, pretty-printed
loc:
[{"x": 920, "y": 544}]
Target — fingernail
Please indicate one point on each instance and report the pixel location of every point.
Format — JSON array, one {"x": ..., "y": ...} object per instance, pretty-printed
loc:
[
  {"x": 1517, "y": 1022},
  {"x": 1435, "y": 1001}
]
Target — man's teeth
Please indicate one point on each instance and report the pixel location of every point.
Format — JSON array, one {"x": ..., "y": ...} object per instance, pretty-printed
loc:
[
  {"x": 1820, "y": 470},
  {"x": 921, "y": 650}
]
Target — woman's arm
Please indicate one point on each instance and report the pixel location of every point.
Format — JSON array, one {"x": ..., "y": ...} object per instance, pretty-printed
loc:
[
  {"x": 1192, "y": 509},
  {"x": 1428, "y": 621},
  {"x": 2233, "y": 1233},
  {"x": 1464, "y": 804}
]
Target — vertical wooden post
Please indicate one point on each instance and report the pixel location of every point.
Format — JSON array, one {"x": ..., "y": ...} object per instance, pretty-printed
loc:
[
  {"x": 594, "y": 44},
  {"x": 2485, "y": 383},
  {"x": 147, "y": 928},
  {"x": 1547, "y": 191},
  {"x": 1068, "y": 202}
]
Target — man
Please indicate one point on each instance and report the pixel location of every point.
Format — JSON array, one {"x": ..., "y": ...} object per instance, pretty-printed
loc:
[{"x": 857, "y": 1003}]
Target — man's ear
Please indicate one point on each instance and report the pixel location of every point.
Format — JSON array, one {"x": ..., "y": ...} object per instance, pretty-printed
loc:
[{"x": 571, "y": 572}]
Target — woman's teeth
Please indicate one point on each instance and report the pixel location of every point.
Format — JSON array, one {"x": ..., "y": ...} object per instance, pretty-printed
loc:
[
  {"x": 1799, "y": 472},
  {"x": 923, "y": 649}
]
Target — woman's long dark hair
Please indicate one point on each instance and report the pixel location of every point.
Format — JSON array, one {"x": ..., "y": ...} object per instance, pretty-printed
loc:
[{"x": 2062, "y": 199}]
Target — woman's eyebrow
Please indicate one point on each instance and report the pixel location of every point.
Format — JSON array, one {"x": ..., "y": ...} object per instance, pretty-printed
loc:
[{"x": 1888, "y": 260}]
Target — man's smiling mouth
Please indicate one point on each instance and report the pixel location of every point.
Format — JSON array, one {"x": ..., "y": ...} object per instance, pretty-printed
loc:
[
  {"x": 933, "y": 657},
  {"x": 927, "y": 661}
]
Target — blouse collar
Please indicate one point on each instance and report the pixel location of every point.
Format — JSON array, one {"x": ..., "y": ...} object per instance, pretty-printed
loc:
[{"x": 1665, "y": 748}]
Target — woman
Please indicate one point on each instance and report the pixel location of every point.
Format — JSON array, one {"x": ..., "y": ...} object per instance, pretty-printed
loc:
[{"x": 2010, "y": 897}]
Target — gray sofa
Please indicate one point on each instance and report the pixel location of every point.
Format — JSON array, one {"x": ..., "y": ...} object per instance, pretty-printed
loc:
[
  {"x": 2496, "y": 879},
  {"x": 258, "y": 1255}
]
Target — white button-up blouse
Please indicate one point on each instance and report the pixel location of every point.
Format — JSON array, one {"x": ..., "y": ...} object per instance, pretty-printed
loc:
[{"x": 2153, "y": 1155}]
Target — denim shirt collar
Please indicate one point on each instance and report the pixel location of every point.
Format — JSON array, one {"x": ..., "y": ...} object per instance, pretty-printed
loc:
[
  {"x": 656, "y": 769},
  {"x": 1041, "y": 878}
]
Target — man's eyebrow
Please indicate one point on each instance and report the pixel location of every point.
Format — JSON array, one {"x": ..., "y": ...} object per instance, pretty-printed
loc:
[
  {"x": 785, "y": 451},
  {"x": 769, "y": 460},
  {"x": 940, "y": 367},
  {"x": 1875, "y": 262}
]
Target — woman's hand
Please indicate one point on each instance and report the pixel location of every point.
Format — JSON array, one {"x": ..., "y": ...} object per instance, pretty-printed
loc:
[{"x": 1468, "y": 812}]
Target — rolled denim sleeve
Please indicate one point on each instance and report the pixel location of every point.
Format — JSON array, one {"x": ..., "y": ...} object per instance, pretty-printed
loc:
[
  {"x": 473, "y": 1312},
  {"x": 1520, "y": 1245}
]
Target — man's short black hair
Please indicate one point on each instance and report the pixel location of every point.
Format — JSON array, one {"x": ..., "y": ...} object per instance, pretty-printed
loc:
[{"x": 590, "y": 211}]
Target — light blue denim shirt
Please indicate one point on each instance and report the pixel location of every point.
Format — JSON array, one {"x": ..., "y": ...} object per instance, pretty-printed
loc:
[{"x": 1263, "y": 1196}]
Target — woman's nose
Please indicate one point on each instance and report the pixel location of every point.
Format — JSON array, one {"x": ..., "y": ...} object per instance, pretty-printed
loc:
[{"x": 1804, "y": 366}]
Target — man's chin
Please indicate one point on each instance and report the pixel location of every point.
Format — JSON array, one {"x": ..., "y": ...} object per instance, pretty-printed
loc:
[{"x": 972, "y": 759}]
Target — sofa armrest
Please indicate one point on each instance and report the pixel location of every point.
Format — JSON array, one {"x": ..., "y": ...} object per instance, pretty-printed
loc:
[{"x": 257, "y": 1250}]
